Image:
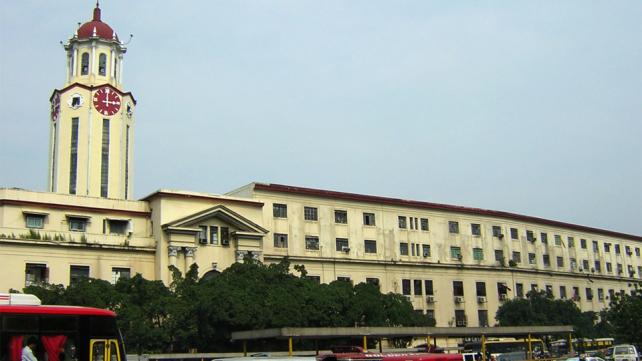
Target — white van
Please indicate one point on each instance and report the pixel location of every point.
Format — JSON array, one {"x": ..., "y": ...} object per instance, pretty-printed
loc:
[{"x": 622, "y": 353}]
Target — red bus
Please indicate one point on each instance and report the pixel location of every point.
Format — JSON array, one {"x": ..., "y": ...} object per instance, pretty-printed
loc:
[
  {"x": 352, "y": 353},
  {"x": 62, "y": 333}
]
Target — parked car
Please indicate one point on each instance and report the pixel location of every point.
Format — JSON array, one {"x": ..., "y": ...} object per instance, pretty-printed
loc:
[{"x": 622, "y": 353}]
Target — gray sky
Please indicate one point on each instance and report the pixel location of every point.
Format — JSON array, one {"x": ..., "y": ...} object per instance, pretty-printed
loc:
[{"x": 524, "y": 106}]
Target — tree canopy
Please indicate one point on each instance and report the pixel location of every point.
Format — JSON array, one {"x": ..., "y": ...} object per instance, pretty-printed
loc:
[{"x": 200, "y": 314}]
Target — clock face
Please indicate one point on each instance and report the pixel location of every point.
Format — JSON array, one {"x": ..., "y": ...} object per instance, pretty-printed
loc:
[
  {"x": 55, "y": 107},
  {"x": 106, "y": 101}
]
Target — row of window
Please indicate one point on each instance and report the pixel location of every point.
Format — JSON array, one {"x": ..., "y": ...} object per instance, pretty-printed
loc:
[
  {"x": 38, "y": 273},
  {"x": 415, "y": 223},
  {"x": 212, "y": 234},
  {"x": 79, "y": 223},
  {"x": 84, "y": 64},
  {"x": 425, "y": 288}
]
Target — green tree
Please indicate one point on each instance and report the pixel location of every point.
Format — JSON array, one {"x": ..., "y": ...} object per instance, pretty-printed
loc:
[
  {"x": 625, "y": 316},
  {"x": 539, "y": 308}
]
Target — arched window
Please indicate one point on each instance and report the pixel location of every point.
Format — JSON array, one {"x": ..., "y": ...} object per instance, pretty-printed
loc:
[
  {"x": 84, "y": 64},
  {"x": 102, "y": 64}
]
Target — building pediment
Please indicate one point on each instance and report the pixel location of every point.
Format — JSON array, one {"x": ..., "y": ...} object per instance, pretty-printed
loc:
[{"x": 190, "y": 223}]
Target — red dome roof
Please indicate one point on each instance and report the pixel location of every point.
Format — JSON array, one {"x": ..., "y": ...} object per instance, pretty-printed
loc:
[{"x": 95, "y": 27}]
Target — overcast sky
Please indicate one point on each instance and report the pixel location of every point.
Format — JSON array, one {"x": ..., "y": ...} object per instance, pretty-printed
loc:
[{"x": 530, "y": 107}]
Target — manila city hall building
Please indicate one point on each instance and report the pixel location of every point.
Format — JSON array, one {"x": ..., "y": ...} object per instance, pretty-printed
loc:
[{"x": 454, "y": 263}]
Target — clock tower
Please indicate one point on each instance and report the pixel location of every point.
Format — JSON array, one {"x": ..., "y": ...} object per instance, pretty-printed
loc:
[{"x": 92, "y": 117}]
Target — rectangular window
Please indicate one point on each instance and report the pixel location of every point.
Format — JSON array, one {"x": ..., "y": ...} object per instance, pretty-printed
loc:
[
  {"x": 213, "y": 235},
  {"x": 598, "y": 266},
  {"x": 517, "y": 257},
  {"x": 417, "y": 286},
  {"x": 458, "y": 288},
  {"x": 344, "y": 279},
  {"x": 583, "y": 243},
  {"x": 547, "y": 260},
  {"x": 497, "y": 232},
  {"x": 589, "y": 293},
  {"x": 617, "y": 249},
  {"x": 340, "y": 217},
  {"x": 372, "y": 281},
  {"x": 502, "y": 289},
  {"x": 428, "y": 287},
  {"x": 571, "y": 242},
  {"x": 585, "y": 264},
  {"x": 563, "y": 292},
  {"x": 530, "y": 236},
  {"x": 104, "y": 161},
  {"x": 560, "y": 261},
  {"x": 600, "y": 294},
  {"x": 35, "y": 220},
  {"x": 544, "y": 237},
  {"x": 573, "y": 263},
  {"x": 480, "y": 287},
  {"x": 225, "y": 236},
  {"x": 453, "y": 227},
  {"x": 78, "y": 273},
  {"x": 483, "y": 318},
  {"x": 77, "y": 224},
  {"x": 460, "y": 318},
  {"x": 475, "y": 229},
  {"x": 533, "y": 287},
  {"x": 558, "y": 240},
  {"x": 202, "y": 235},
  {"x": 514, "y": 234},
  {"x": 596, "y": 248},
  {"x": 637, "y": 251},
  {"x": 426, "y": 250},
  {"x": 628, "y": 250},
  {"x": 402, "y": 222},
  {"x": 531, "y": 258},
  {"x": 405, "y": 287},
  {"x": 280, "y": 240},
  {"x": 424, "y": 226},
  {"x": 576, "y": 293},
  {"x": 478, "y": 254},
  {"x": 607, "y": 247},
  {"x": 36, "y": 274},
  {"x": 609, "y": 267},
  {"x": 312, "y": 243},
  {"x": 403, "y": 248},
  {"x": 549, "y": 290},
  {"x": 499, "y": 255},
  {"x": 369, "y": 219},
  {"x": 455, "y": 253},
  {"x": 73, "y": 156},
  {"x": 280, "y": 210},
  {"x": 342, "y": 245},
  {"x": 316, "y": 279},
  {"x": 117, "y": 226},
  {"x": 519, "y": 290},
  {"x": 619, "y": 269},
  {"x": 310, "y": 214},
  {"x": 430, "y": 314},
  {"x": 127, "y": 163},
  {"x": 118, "y": 273},
  {"x": 370, "y": 246}
]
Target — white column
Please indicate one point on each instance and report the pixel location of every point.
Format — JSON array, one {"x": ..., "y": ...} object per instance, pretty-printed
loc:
[
  {"x": 74, "y": 71},
  {"x": 92, "y": 61},
  {"x": 112, "y": 69},
  {"x": 189, "y": 257},
  {"x": 120, "y": 69},
  {"x": 172, "y": 252}
]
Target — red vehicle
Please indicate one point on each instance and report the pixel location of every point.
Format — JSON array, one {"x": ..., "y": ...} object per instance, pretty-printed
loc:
[
  {"x": 63, "y": 333},
  {"x": 357, "y": 354}
]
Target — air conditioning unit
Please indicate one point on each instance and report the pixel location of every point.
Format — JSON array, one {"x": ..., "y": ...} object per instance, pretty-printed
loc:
[
  {"x": 459, "y": 299},
  {"x": 426, "y": 254},
  {"x": 202, "y": 240},
  {"x": 461, "y": 323},
  {"x": 503, "y": 297},
  {"x": 225, "y": 242},
  {"x": 481, "y": 299},
  {"x": 345, "y": 249},
  {"x": 430, "y": 299},
  {"x": 460, "y": 257},
  {"x": 501, "y": 236}
]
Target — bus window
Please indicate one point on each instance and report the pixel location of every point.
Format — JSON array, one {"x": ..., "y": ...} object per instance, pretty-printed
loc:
[
  {"x": 97, "y": 350},
  {"x": 114, "y": 352}
]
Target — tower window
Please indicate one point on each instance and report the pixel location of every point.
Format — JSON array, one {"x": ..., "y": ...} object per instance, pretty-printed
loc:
[
  {"x": 73, "y": 156},
  {"x": 104, "y": 166},
  {"x": 102, "y": 64},
  {"x": 84, "y": 64}
]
